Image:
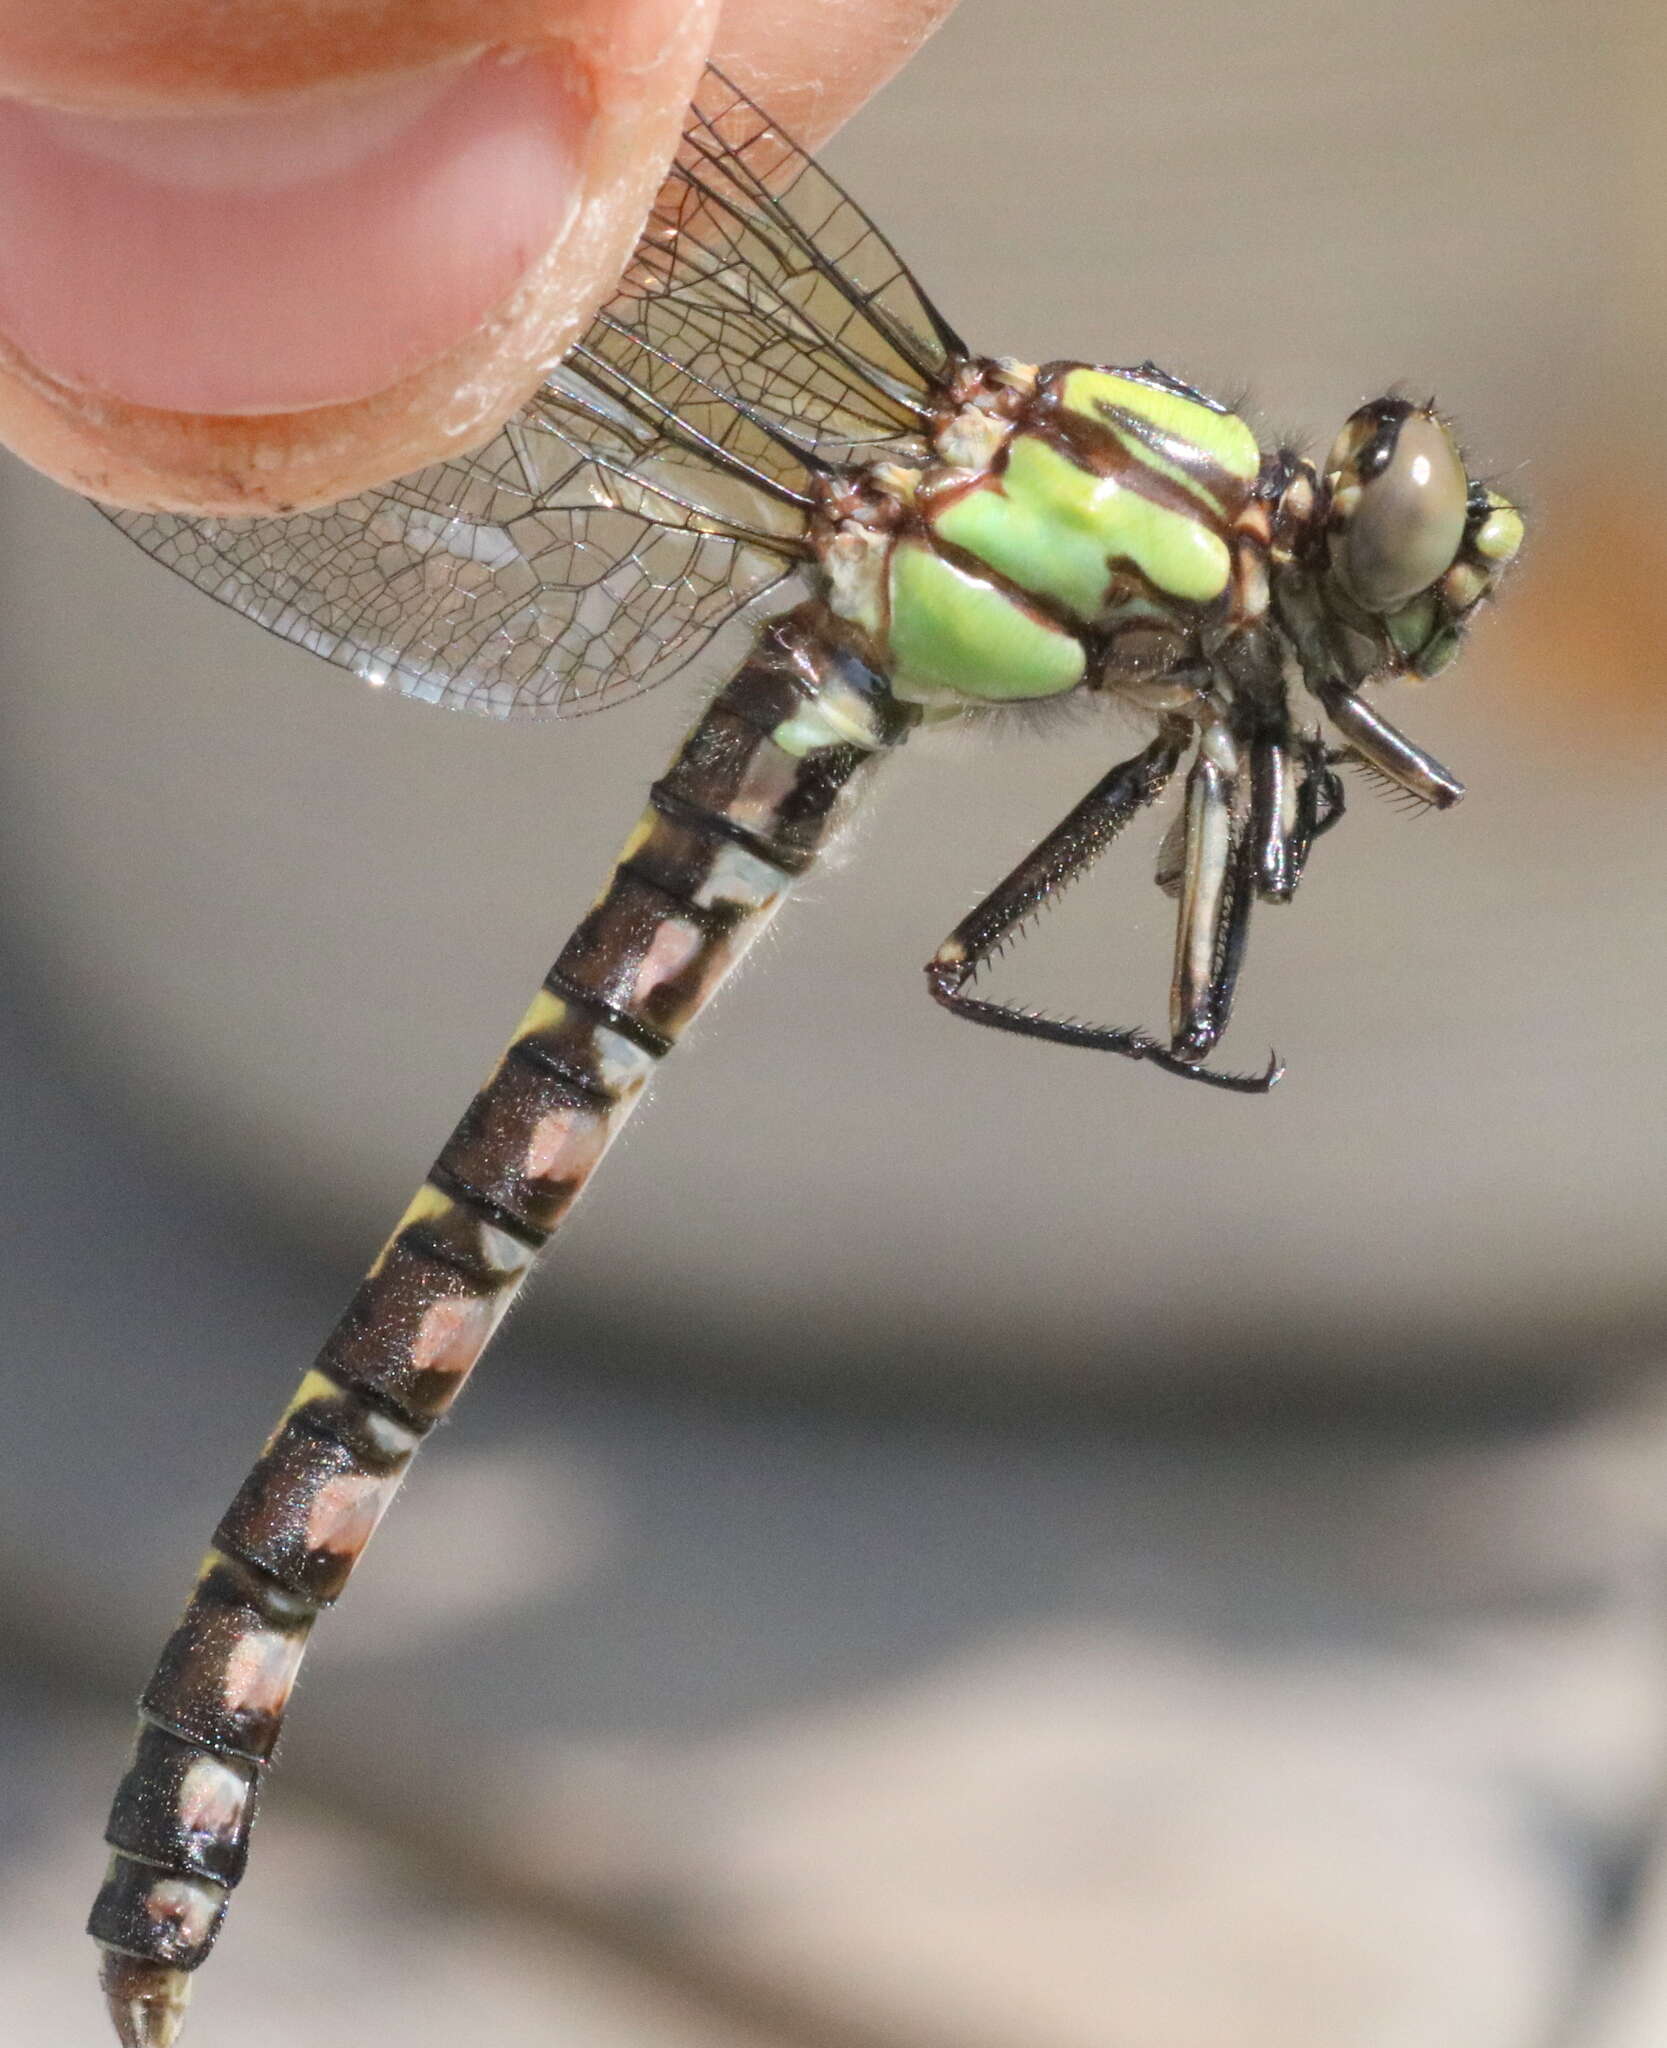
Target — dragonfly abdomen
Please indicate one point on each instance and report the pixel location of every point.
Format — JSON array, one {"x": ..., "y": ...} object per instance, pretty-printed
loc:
[{"x": 754, "y": 793}]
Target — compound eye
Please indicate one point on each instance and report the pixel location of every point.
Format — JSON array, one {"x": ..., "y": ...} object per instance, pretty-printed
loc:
[{"x": 1399, "y": 495}]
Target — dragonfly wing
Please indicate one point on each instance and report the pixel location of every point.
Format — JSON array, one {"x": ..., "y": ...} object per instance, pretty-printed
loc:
[
  {"x": 656, "y": 485},
  {"x": 461, "y": 586},
  {"x": 765, "y": 306}
]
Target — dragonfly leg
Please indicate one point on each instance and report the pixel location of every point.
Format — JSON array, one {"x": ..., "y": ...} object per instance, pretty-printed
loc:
[
  {"x": 1068, "y": 851},
  {"x": 1320, "y": 803},
  {"x": 1373, "y": 740},
  {"x": 1224, "y": 864},
  {"x": 1275, "y": 787}
]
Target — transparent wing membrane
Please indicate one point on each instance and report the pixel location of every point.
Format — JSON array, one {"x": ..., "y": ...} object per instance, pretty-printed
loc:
[
  {"x": 654, "y": 487},
  {"x": 529, "y": 578},
  {"x": 759, "y": 276}
]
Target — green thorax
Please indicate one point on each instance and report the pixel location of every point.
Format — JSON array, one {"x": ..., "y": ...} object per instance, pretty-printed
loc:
[{"x": 1108, "y": 498}]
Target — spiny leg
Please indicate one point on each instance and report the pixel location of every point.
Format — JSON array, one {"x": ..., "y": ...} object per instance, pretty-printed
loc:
[
  {"x": 1320, "y": 804},
  {"x": 1371, "y": 736},
  {"x": 1068, "y": 851}
]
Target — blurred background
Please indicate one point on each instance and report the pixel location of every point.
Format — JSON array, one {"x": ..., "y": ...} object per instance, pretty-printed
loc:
[{"x": 1047, "y": 1558}]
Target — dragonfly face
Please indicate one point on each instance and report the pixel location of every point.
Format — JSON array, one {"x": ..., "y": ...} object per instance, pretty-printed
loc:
[{"x": 1414, "y": 544}]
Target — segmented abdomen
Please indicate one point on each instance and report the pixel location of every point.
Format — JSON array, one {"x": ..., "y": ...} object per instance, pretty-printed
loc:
[{"x": 748, "y": 802}]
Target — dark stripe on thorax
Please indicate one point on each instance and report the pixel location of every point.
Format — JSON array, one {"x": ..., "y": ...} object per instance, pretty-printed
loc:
[
  {"x": 1035, "y": 604},
  {"x": 1093, "y": 446}
]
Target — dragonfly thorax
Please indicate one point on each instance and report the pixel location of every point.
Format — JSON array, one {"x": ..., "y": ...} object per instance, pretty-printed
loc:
[{"x": 1072, "y": 522}]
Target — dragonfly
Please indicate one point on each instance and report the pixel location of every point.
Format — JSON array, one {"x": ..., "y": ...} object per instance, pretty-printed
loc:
[{"x": 771, "y": 426}]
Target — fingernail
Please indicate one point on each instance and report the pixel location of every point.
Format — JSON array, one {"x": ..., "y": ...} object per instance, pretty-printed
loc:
[{"x": 303, "y": 250}]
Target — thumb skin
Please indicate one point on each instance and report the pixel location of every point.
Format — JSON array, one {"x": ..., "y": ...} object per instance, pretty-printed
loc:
[{"x": 256, "y": 255}]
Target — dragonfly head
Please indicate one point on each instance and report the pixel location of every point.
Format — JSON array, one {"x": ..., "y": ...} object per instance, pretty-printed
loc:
[{"x": 1413, "y": 542}]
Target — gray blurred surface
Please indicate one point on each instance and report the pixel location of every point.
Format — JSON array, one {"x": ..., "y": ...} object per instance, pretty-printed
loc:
[{"x": 950, "y": 1697}]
